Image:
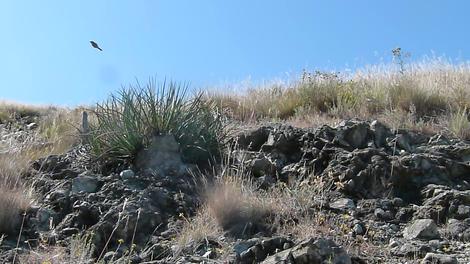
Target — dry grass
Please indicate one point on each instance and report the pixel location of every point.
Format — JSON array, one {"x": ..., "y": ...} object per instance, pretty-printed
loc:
[
  {"x": 60, "y": 128},
  {"x": 459, "y": 124},
  {"x": 79, "y": 251},
  {"x": 197, "y": 230},
  {"x": 232, "y": 205},
  {"x": 233, "y": 202},
  {"x": 12, "y": 110},
  {"x": 18, "y": 148},
  {"x": 431, "y": 91},
  {"x": 15, "y": 198}
]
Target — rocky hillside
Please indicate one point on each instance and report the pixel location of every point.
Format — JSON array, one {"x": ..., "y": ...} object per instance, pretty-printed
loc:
[{"x": 358, "y": 192}]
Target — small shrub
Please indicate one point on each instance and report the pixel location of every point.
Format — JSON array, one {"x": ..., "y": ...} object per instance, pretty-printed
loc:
[
  {"x": 459, "y": 124},
  {"x": 127, "y": 122}
]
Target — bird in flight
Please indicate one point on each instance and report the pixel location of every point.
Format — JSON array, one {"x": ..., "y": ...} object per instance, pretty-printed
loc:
[{"x": 95, "y": 45}]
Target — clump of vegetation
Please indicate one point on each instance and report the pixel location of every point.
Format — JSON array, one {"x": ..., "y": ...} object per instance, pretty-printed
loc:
[
  {"x": 14, "y": 198},
  {"x": 10, "y": 111},
  {"x": 80, "y": 250},
  {"x": 59, "y": 128},
  {"x": 127, "y": 122},
  {"x": 430, "y": 90},
  {"x": 459, "y": 124}
]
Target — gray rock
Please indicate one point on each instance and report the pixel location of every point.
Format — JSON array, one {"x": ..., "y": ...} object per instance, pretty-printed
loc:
[
  {"x": 31, "y": 126},
  {"x": 353, "y": 134},
  {"x": 253, "y": 139},
  {"x": 458, "y": 230},
  {"x": 343, "y": 204},
  {"x": 242, "y": 246},
  {"x": 44, "y": 217},
  {"x": 421, "y": 229},
  {"x": 127, "y": 174},
  {"x": 163, "y": 156},
  {"x": 382, "y": 214},
  {"x": 433, "y": 258},
  {"x": 411, "y": 249},
  {"x": 403, "y": 142},
  {"x": 210, "y": 254},
  {"x": 463, "y": 212},
  {"x": 84, "y": 183},
  {"x": 381, "y": 132},
  {"x": 262, "y": 166},
  {"x": 311, "y": 251},
  {"x": 358, "y": 229}
]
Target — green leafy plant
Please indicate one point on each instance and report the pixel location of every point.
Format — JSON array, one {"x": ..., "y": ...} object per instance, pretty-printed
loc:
[{"x": 126, "y": 123}]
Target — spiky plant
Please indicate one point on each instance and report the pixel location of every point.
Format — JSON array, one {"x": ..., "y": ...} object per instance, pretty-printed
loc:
[{"x": 127, "y": 122}]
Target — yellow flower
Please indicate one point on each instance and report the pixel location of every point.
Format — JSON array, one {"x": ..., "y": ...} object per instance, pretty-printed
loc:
[{"x": 120, "y": 241}]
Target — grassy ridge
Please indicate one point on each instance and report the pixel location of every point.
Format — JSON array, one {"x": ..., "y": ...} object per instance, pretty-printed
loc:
[{"x": 429, "y": 93}]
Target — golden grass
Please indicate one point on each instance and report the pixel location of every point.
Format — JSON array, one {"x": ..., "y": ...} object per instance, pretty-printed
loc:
[
  {"x": 459, "y": 124},
  {"x": 60, "y": 129},
  {"x": 79, "y": 251},
  {"x": 18, "y": 149},
  {"x": 13, "y": 110},
  {"x": 234, "y": 201},
  {"x": 229, "y": 201},
  {"x": 197, "y": 230},
  {"x": 431, "y": 90},
  {"x": 14, "y": 196}
]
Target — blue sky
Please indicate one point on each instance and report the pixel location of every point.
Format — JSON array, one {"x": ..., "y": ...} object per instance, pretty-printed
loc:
[{"x": 45, "y": 56}]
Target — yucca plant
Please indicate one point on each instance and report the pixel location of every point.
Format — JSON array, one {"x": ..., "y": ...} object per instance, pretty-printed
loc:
[{"x": 127, "y": 122}]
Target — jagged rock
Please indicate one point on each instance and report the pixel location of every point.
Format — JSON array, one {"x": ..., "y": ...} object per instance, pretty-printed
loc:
[
  {"x": 381, "y": 214},
  {"x": 343, "y": 204},
  {"x": 252, "y": 140},
  {"x": 392, "y": 177},
  {"x": 433, "y": 258},
  {"x": 127, "y": 174},
  {"x": 51, "y": 163},
  {"x": 84, "y": 183},
  {"x": 43, "y": 218},
  {"x": 358, "y": 229},
  {"x": 421, "y": 229},
  {"x": 463, "y": 212},
  {"x": 311, "y": 251},
  {"x": 458, "y": 229},
  {"x": 411, "y": 249},
  {"x": 380, "y": 132},
  {"x": 163, "y": 156},
  {"x": 262, "y": 166},
  {"x": 31, "y": 126},
  {"x": 285, "y": 141},
  {"x": 353, "y": 134}
]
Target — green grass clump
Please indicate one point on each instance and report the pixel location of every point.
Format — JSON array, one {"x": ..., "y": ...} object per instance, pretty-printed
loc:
[{"x": 127, "y": 122}]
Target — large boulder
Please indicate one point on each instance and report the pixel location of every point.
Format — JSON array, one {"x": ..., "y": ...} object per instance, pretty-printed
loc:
[{"x": 425, "y": 229}]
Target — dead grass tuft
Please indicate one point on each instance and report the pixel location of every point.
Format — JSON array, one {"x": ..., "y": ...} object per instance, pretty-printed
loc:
[
  {"x": 235, "y": 205},
  {"x": 196, "y": 231},
  {"x": 14, "y": 195},
  {"x": 79, "y": 251},
  {"x": 459, "y": 124}
]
